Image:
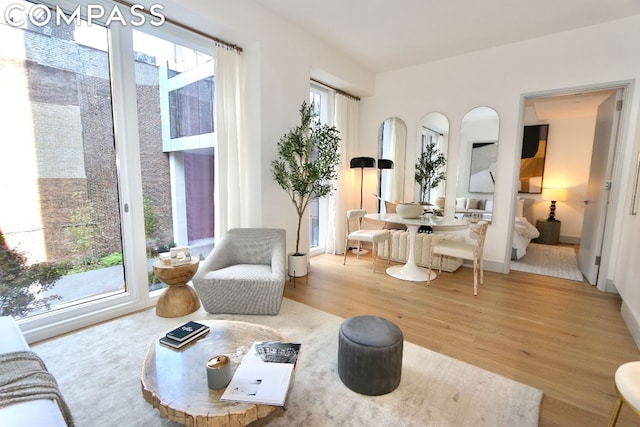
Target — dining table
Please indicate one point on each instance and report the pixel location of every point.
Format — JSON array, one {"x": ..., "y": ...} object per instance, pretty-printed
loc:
[{"x": 410, "y": 271}]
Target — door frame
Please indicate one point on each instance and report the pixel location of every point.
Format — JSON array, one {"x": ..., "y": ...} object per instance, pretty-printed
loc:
[{"x": 608, "y": 249}]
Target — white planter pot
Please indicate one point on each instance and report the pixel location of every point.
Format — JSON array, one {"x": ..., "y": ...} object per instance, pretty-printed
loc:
[{"x": 298, "y": 265}]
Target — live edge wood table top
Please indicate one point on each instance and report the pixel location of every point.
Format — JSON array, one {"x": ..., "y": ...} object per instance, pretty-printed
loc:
[{"x": 175, "y": 381}]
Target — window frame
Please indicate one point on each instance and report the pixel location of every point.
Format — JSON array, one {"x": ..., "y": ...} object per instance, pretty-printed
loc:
[
  {"x": 327, "y": 116},
  {"x": 125, "y": 119}
]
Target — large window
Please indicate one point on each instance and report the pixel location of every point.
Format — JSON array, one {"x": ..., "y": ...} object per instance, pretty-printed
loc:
[
  {"x": 58, "y": 185},
  {"x": 322, "y": 101},
  {"x": 174, "y": 86},
  {"x": 107, "y": 160}
]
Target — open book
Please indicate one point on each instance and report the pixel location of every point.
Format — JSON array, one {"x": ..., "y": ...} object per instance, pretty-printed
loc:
[{"x": 265, "y": 374}]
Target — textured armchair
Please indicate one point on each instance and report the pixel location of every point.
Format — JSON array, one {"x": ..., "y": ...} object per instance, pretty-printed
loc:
[{"x": 244, "y": 273}]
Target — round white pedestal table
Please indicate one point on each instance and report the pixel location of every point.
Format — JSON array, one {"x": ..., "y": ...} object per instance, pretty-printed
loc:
[{"x": 410, "y": 271}]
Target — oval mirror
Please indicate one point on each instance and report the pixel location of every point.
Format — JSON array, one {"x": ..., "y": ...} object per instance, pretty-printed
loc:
[
  {"x": 392, "y": 141},
  {"x": 430, "y": 167},
  {"x": 477, "y": 164}
]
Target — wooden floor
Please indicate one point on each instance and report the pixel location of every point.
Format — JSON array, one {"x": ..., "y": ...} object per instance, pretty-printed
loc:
[{"x": 563, "y": 337}]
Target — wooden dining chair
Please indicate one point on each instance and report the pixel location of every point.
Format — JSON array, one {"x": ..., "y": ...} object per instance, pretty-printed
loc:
[{"x": 464, "y": 250}]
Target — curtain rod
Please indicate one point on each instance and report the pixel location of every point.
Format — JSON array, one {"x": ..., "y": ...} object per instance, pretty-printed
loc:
[
  {"x": 188, "y": 28},
  {"x": 348, "y": 95}
]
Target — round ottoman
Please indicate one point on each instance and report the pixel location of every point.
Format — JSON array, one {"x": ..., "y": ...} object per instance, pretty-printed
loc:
[{"x": 370, "y": 355}]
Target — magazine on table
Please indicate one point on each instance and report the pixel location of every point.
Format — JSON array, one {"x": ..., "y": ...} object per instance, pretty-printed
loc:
[{"x": 265, "y": 373}]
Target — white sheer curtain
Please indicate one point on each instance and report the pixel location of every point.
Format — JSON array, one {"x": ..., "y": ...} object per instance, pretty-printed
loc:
[
  {"x": 393, "y": 136},
  {"x": 231, "y": 162},
  {"x": 346, "y": 121}
]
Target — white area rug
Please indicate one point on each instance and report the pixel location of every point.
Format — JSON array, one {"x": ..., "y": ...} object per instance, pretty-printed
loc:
[
  {"x": 549, "y": 260},
  {"x": 98, "y": 371}
]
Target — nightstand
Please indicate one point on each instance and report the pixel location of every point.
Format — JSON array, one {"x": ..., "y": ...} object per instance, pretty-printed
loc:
[{"x": 549, "y": 232}]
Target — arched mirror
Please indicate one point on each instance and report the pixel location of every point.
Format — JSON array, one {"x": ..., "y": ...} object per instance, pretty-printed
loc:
[
  {"x": 430, "y": 167},
  {"x": 392, "y": 141},
  {"x": 477, "y": 165}
]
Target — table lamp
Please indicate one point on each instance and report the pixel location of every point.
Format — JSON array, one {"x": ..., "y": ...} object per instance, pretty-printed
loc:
[
  {"x": 362, "y": 162},
  {"x": 554, "y": 195}
]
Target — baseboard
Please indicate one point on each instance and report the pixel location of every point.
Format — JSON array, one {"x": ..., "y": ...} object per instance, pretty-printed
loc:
[
  {"x": 632, "y": 323},
  {"x": 610, "y": 286},
  {"x": 570, "y": 240}
]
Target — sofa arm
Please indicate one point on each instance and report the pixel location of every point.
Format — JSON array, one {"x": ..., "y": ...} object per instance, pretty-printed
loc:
[
  {"x": 38, "y": 412},
  {"x": 12, "y": 338}
]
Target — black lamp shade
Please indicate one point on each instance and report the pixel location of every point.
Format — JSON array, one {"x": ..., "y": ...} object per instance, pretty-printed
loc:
[
  {"x": 362, "y": 162},
  {"x": 385, "y": 164}
]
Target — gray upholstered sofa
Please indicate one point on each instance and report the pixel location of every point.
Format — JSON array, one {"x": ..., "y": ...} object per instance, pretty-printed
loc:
[
  {"x": 27, "y": 408},
  {"x": 399, "y": 249},
  {"x": 244, "y": 273}
]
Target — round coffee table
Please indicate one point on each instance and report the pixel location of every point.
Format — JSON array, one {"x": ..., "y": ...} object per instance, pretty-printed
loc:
[
  {"x": 175, "y": 381},
  {"x": 178, "y": 299}
]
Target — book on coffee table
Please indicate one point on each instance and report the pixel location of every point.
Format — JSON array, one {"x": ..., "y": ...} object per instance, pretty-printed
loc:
[
  {"x": 259, "y": 380},
  {"x": 186, "y": 331},
  {"x": 169, "y": 342}
]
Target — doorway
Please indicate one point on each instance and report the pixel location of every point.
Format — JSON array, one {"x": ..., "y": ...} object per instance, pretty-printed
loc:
[{"x": 581, "y": 158}]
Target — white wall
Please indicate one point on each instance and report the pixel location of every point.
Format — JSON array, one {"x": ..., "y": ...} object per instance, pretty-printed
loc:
[
  {"x": 591, "y": 57},
  {"x": 498, "y": 78},
  {"x": 628, "y": 271}
]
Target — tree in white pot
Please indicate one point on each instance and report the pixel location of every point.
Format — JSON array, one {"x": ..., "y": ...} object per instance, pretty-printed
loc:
[{"x": 306, "y": 167}]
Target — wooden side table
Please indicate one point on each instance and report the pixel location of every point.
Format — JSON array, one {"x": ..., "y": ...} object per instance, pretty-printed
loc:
[
  {"x": 549, "y": 232},
  {"x": 178, "y": 299}
]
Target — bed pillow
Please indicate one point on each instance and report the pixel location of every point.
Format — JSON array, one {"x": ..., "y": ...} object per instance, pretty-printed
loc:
[{"x": 475, "y": 204}]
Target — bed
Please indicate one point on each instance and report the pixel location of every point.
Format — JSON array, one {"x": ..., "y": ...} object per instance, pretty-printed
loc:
[{"x": 523, "y": 230}]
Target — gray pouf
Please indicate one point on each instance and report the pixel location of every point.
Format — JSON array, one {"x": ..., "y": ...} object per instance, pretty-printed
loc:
[{"x": 370, "y": 355}]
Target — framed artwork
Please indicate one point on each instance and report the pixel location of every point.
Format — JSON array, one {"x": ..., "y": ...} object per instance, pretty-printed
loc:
[
  {"x": 534, "y": 150},
  {"x": 482, "y": 175}
]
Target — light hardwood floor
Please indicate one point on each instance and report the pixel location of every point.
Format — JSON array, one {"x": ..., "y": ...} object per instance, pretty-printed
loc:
[{"x": 563, "y": 337}]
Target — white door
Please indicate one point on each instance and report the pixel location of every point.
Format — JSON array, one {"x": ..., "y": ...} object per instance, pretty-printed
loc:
[{"x": 597, "y": 200}]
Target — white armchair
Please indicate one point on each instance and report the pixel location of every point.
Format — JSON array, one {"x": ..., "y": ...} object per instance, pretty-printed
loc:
[{"x": 244, "y": 273}]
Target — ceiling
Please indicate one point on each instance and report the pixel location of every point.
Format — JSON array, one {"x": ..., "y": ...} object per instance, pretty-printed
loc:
[
  {"x": 382, "y": 35},
  {"x": 571, "y": 106}
]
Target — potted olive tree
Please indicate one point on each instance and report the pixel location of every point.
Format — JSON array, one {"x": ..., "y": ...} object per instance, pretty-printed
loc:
[
  {"x": 430, "y": 170},
  {"x": 305, "y": 168}
]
